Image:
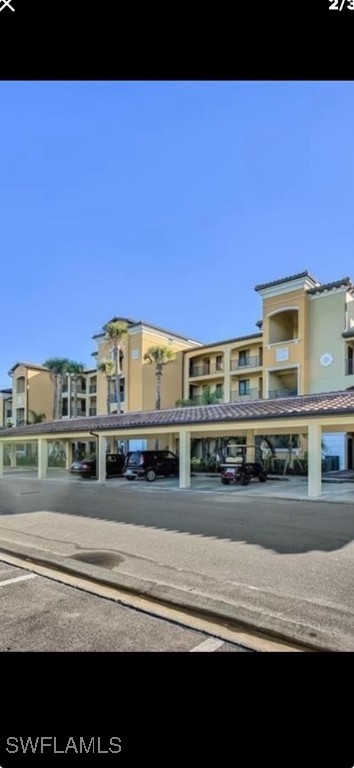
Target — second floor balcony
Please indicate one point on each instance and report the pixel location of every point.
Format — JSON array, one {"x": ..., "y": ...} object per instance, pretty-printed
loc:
[
  {"x": 250, "y": 394},
  {"x": 290, "y": 392}
]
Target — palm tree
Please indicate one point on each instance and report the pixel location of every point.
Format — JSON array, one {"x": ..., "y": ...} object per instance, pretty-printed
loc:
[
  {"x": 108, "y": 367},
  {"x": 116, "y": 331},
  {"x": 206, "y": 398},
  {"x": 36, "y": 418},
  {"x": 159, "y": 356},
  {"x": 58, "y": 366},
  {"x": 74, "y": 370}
]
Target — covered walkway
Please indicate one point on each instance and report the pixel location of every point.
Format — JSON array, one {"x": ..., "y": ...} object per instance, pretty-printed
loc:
[{"x": 308, "y": 415}]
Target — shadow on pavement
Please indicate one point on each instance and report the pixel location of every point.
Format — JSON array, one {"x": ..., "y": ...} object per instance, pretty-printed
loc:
[{"x": 285, "y": 527}]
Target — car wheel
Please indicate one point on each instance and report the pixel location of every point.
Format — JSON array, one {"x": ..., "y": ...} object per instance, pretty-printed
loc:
[
  {"x": 225, "y": 481},
  {"x": 150, "y": 475},
  {"x": 245, "y": 479},
  {"x": 262, "y": 477}
]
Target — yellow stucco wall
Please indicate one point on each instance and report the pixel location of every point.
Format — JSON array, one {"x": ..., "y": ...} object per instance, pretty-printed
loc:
[
  {"x": 297, "y": 348},
  {"x": 139, "y": 376},
  {"x": 40, "y": 393},
  {"x": 327, "y": 323}
]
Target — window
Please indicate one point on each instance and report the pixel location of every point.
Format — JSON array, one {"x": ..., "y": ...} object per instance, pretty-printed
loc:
[
  {"x": 243, "y": 358},
  {"x": 219, "y": 365},
  {"x": 219, "y": 391},
  {"x": 20, "y": 416},
  {"x": 244, "y": 387},
  {"x": 20, "y": 385}
]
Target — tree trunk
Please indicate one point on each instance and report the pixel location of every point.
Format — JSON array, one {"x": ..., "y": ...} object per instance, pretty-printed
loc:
[
  {"x": 60, "y": 395},
  {"x": 108, "y": 380},
  {"x": 117, "y": 376},
  {"x": 55, "y": 394},
  {"x": 74, "y": 380},
  {"x": 158, "y": 386}
]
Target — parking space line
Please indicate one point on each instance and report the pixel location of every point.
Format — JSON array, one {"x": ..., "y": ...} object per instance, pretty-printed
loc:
[
  {"x": 18, "y": 578},
  {"x": 208, "y": 646}
]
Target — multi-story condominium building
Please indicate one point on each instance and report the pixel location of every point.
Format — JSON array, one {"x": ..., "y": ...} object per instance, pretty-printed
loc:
[
  {"x": 306, "y": 345},
  {"x": 138, "y": 380},
  {"x": 5, "y": 407},
  {"x": 32, "y": 390}
]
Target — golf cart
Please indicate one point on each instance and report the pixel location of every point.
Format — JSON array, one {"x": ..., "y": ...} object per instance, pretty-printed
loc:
[{"x": 235, "y": 467}]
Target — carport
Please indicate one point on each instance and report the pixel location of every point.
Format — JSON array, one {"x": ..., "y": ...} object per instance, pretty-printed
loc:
[{"x": 308, "y": 415}]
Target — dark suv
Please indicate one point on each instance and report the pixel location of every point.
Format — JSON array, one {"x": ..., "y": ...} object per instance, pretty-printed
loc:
[
  {"x": 150, "y": 464},
  {"x": 114, "y": 465}
]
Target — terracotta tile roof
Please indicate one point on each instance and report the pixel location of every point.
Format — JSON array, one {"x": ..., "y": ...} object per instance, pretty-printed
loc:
[
  {"x": 285, "y": 280},
  {"x": 35, "y": 366},
  {"x": 199, "y": 350},
  {"x": 254, "y": 410},
  {"x": 328, "y": 286},
  {"x": 134, "y": 323}
]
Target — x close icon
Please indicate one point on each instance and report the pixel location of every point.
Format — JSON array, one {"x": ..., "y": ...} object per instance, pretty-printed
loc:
[{"x": 6, "y": 4}]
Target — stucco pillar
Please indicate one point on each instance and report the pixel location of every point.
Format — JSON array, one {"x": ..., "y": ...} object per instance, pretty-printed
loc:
[
  {"x": 13, "y": 455},
  {"x": 314, "y": 487},
  {"x": 101, "y": 459},
  {"x": 68, "y": 455},
  {"x": 1, "y": 459},
  {"x": 184, "y": 459},
  {"x": 250, "y": 441},
  {"x": 42, "y": 457},
  {"x": 226, "y": 387}
]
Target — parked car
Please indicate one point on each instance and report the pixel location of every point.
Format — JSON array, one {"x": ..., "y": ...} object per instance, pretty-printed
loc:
[
  {"x": 75, "y": 467},
  {"x": 151, "y": 464},
  {"x": 115, "y": 463}
]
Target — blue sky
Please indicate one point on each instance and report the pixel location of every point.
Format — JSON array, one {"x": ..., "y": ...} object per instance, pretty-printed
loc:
[{"x": 166, "y": 202}]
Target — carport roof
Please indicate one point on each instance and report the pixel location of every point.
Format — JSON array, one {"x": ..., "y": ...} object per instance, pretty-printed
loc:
[{"x": 329, "y": 403}]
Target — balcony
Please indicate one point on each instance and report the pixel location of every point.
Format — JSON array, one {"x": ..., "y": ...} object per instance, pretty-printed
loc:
[
  {"x": 282, "y": 393},
  {"x": 205, "y": 370},
  {"x": 198, "y": 400},
  {"x": 92, "y": 411},
  {"x": 113, "y": 398},
  {"x": 248, "y": 362},
  {"x": 93, "y": 389},
  {"x": 252, "y": 394},
  {"x": 349, "y": 366}
]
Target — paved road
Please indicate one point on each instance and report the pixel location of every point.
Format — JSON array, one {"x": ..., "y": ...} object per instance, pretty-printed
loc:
[
  {"x": 291, "y": 562},
  {"x": 37, "y": 614}
]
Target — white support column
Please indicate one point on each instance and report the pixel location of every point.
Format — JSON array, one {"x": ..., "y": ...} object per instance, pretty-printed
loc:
[
  {"x": 1, "y": 459},
  {"x": 101, "y": 463},
  {"x": 42, "y": 457},
  {"x": 250, "y": 441},
  {"x": 227, "y": 392},
  {"x": 13, "y": 455},
  {"x": 184, "y": 459},
  {"x": 67, "y": 449},
  {"x": 314, "y": 460}
]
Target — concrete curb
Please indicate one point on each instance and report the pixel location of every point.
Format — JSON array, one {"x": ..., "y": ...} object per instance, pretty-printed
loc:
[{"x": 195, "y": 604}]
